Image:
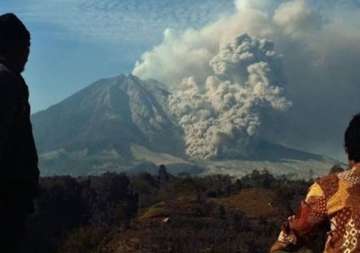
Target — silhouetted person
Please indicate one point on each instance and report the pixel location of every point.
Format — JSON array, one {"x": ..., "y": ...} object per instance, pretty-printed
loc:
[
  {"x": 18, "y": 157},
  {"x": 332, "y": 202}
]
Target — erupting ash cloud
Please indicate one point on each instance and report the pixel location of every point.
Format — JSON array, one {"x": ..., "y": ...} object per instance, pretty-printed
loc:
[
  {"x": 228, "y": 104},
  {"x": 229, "y": 87},
  {"x": 252, "y": 4}
]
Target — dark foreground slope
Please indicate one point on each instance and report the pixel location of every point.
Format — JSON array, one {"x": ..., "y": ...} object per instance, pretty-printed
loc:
[{"x": 115, "y": 213}]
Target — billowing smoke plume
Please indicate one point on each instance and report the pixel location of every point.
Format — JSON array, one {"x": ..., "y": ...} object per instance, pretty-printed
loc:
[
  {"x": 253, "y": 4},
  {"x": 320, "y": 45},
  {"x": 228, "y": 104}
]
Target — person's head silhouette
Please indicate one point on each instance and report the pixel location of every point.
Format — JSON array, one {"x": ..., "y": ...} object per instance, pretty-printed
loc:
[
  {"x": 14, "y": 42},
  {"x": 352, "y": 140}
]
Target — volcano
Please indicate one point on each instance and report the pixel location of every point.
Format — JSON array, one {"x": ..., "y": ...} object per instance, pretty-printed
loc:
[{"x": 123, "y": 124}]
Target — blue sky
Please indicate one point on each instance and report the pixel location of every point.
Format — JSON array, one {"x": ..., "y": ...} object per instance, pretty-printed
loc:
[{"x": 76, "y": 42}]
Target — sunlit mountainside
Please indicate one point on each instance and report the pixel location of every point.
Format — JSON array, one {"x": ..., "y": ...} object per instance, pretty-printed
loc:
[{"x": 124, "y": 124}]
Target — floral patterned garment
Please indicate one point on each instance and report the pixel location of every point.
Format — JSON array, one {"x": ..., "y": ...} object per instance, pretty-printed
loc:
[{"x": 335, "y": 198}]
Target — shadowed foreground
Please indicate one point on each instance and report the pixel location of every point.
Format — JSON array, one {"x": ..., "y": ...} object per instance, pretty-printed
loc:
[{"x": 161, "y": 213}]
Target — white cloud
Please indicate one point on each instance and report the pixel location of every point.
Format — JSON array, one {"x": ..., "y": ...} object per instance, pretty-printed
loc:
[
  {"x": 188, "y": 53},
  {"x": 297, "y": 18},
  {"x": 320, "y": 47},
  {"x": 253, "y": 4}
]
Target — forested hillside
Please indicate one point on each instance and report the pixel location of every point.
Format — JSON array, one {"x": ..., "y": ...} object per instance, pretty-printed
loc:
[{"x": 116, "y": 213}]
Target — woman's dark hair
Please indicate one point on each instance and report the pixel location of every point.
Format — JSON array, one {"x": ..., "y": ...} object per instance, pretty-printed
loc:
[
  {"x": 12, "y": 31},
  {"x": 352, "y": 139}
]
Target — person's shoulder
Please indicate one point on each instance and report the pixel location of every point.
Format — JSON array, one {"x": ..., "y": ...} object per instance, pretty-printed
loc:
[
  {"x": 328, "y": 178},
  {"x": 329, "y": 184}
]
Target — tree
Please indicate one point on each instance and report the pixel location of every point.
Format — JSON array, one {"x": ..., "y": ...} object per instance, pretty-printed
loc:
[{"x": 163, "y": 176}]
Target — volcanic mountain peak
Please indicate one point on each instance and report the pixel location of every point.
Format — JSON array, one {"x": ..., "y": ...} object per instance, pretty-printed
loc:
[
  {"x": 110, "y": 113},
  {"x": 124, "y": 122}
]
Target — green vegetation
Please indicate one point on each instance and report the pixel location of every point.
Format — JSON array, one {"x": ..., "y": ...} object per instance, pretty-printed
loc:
[{"x": 116, "y": 213}]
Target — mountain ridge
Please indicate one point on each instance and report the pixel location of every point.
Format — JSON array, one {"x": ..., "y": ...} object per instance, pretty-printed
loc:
[{"x": 123, "y": 122}]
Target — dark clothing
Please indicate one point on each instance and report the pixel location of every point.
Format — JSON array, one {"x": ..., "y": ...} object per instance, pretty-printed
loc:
[
  {"x": 13, "y": 228},
  {"x": 19, "y": 171}
]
